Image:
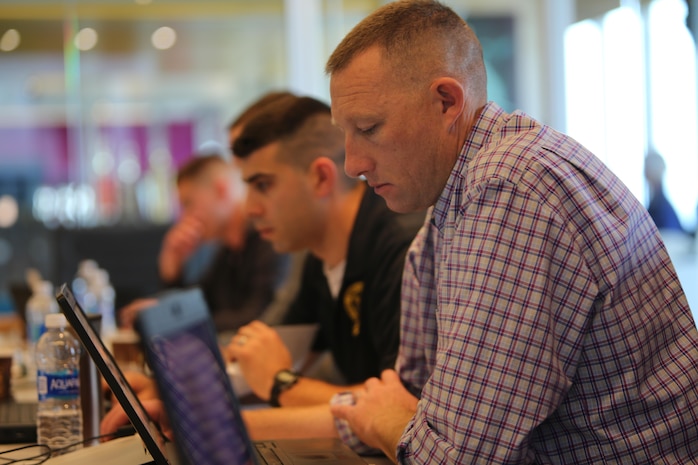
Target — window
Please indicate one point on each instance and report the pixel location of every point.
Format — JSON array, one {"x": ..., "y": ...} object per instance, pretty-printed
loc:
[{"x": 631, "y": 84}]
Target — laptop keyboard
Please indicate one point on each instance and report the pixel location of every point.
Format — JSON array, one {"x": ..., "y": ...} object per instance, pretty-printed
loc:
[
  {"x": 17, "y": 413},
  {"x": 266, "y": 453},
  {"x": 17, "y": 423}
]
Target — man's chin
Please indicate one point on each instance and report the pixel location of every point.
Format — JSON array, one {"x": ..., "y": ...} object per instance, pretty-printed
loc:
[
  {"x": 396, "y": 204},
  {"x": 399, "y": 205},
  {"x": 280, "y": 248}
]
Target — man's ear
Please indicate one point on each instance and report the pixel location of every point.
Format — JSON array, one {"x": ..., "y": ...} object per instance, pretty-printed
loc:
[
  {"x": 323, "y": 176},
  {"x": 449, "y": 95},
  {"x": 221, "y": 187}
]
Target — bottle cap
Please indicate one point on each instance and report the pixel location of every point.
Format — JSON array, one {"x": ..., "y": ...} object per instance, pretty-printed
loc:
[
  {"x": 55, "y": 320},
  {"x": 43, "y": 287}
]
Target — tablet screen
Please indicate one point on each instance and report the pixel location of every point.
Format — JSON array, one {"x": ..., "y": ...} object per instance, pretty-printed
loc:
[{"x": 183, "y": 354}]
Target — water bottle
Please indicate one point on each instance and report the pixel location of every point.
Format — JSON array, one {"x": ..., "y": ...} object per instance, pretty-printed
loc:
[
  {"x": 101, "y": 287},
  {"x": 59, "y": 416},
  {"x": 41, "y": 303},
  {"x": 82, "y": 283}
]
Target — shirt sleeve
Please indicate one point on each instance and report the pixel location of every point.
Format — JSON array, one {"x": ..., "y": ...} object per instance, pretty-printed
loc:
[
  {"x": 514, "y": 301},
  {"x": 383, "y": 307},
  {"x": 417, "y": 330}
]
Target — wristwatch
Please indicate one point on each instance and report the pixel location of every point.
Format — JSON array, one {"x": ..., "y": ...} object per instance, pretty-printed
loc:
[{"x": 283, "y": 380}]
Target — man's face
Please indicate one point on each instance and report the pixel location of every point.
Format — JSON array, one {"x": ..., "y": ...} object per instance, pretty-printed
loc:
[
  {"x": 280, "y": 200},
  {"x": 199, "y": 201},
  {"x": 391, "y": 133}
]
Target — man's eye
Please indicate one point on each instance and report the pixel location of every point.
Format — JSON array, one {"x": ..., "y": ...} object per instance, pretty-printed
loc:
[
  {"x": 368, "y": 130},
  {"x": 261, "y": 186}
]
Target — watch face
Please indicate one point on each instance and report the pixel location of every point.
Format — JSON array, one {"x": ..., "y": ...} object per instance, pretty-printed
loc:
[{"x": 286, "y": 377}]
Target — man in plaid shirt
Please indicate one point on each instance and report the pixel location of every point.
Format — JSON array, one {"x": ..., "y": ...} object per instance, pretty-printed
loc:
[{"x": 542, "y": 319}]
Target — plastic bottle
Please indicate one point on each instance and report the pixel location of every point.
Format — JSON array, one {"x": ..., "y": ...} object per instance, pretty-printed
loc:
[
  {"x": 41, "y": 303},
  {"x": 82, "y": 283},
  {"x": 59, "y": 416},
  {"x": 104, "y": 292}
]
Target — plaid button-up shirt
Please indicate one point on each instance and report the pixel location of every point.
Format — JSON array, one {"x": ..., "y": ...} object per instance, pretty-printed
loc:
[{"x": 541, "y": 316}]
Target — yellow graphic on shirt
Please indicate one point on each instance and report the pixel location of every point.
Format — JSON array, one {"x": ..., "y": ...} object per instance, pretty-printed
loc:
[{"x": 352, "y": 305}]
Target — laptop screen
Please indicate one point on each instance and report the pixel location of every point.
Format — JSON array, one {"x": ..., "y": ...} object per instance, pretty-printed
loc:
[
  {"x": 181, "y": 348},
  {"x": 149, "y": 431}
]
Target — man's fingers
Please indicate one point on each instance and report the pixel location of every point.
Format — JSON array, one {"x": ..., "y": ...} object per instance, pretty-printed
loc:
[
  {"x": 115, "y": 418},
  {"x": 340, "y": 411},
  {"x": 390, "y": 376}
]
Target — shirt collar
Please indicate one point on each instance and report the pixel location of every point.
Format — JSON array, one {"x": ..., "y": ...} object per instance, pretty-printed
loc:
[{"x": 480, "y": 134}]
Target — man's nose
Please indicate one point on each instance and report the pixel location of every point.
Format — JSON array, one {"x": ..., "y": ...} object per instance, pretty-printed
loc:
[
  {"x": 356, "y": 164},
  {"x": 254, "y": 208}
]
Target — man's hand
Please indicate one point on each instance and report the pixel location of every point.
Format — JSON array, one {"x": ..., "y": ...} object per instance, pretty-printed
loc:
[
  {"x": 180, "y": 242},
  {"x": 116, "y": 417},
  {"x": 261, "y": 354},
  {"x": 382, "y": 410},
  {"x": 143, "y": 386},
  {"x": 127, "y": 314}
]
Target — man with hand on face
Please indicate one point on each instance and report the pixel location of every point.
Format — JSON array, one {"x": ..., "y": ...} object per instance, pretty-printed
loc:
[
  {"x": 240, "y": 281},
  {"x": 542, "y": 319},
  {"x": 291, "y": 156}
]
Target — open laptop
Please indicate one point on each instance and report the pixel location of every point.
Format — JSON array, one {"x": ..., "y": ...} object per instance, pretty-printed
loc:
[
  {"x": 160, "y": 449},
  {"x": 18, "y": 416},
  {"x": 180, "y": 346},
  {"x": 17, "y": 422},
  {"x": 191, "y": 315}
]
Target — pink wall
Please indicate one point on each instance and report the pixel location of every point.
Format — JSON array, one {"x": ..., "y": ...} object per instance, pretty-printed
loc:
[{"x": 42, "y": 152}]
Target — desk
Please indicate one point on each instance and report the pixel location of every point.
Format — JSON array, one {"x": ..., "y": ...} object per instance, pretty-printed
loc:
[
  {"x": 379, "y": 460},
  {"x": 122, "y": 451}
]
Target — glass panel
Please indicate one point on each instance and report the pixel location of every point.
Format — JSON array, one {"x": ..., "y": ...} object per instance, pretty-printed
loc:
[
  {"x": 103, "y": 101},
  {"x": 674, "y": 116}
]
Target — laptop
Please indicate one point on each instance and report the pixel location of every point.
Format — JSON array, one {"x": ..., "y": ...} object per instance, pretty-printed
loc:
[
  {"x": 192, "y": 318},
  {"x": 17, "y": 422},
  {"x": 180, "y": 345},
  {"x": 18, "y": 413},
  {"x": 18, "y": 416},
  {"x": 161, "y": 451}
]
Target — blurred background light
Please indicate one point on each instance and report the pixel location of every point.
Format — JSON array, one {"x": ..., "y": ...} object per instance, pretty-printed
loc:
[
  {"x": 164, "y": 38},
  {"x": 10, "y": 40},
  {"x": 9, "y": 211},
  {"x": 129, "y": 170},
  {"x": 86, "y": 39}
]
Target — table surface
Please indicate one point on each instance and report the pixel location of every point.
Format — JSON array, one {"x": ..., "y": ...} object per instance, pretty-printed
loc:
[
  {"x": 122, "y": 451},
  {"x": 127, "y": 450}
]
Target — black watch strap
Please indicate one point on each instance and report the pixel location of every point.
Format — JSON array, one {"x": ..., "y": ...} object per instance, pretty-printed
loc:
[{"x": 283, "y": 380}]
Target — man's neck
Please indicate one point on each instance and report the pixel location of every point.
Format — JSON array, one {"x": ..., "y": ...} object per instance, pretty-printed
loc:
[{"x": 340, "y": 223}]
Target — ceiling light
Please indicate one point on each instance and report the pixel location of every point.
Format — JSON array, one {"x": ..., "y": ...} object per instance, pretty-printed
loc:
[
  {"x": 86, "y": 39},
  {"x": 164, "y": 38},
  {"x": 9, "y": 40}
]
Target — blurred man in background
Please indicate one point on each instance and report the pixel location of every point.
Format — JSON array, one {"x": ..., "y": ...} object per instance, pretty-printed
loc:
[{"x": 240, "y": 280}]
